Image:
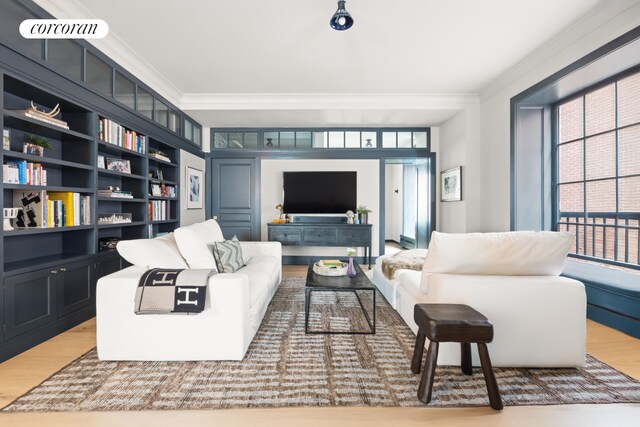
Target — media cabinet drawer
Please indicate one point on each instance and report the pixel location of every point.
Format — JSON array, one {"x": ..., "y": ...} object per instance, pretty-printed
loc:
[
  {"x": 320, "y": 235},
  {"x": 354, "y": 237},
  {"x": 285, "y": 235}
]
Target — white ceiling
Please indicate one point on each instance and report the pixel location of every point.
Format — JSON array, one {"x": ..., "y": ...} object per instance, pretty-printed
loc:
[{"x": 223, "y": 61}]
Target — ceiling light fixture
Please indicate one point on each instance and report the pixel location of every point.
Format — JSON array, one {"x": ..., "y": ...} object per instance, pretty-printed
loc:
[{"x": 341, "y": 20}]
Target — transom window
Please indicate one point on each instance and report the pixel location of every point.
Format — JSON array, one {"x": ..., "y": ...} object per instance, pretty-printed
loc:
[{"x": 597, "y": 154}]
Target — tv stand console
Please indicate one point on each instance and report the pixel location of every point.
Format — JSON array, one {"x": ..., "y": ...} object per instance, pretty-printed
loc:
[{"x": 319, "y": 234}]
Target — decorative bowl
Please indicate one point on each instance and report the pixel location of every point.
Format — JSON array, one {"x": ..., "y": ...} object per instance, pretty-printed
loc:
[{"x": 330, "y": 271}]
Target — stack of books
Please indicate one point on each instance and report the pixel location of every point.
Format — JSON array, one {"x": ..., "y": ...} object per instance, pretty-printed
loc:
[
  {"x": 52, "y": 209},
  {"x": 330, "y": 263},
  {"x": 113, "y": 133},
  {"x": 158, "y": 210},
  {"x": 23, "y": 172},
  {"x": 107, "y": 192},
  {"x": 155, "y": 153}
]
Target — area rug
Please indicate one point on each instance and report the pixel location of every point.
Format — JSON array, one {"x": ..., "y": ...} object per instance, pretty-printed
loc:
[{"x": 286, "y": 367}]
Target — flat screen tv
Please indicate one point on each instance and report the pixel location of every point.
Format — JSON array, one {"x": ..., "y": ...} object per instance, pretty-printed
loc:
[{"x": 319, "y": 192}]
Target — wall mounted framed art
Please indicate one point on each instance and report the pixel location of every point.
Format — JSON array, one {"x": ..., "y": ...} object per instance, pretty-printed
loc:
[
  {"x": 196, "y": 188},
  {"x": 451, "y": 185}
]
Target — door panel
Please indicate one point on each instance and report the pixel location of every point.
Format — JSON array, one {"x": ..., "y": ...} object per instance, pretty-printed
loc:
[
  {"x": 234, "y": 199},
  {"x": 75, "y": 282},
  {"x": 29, "y": 301}
]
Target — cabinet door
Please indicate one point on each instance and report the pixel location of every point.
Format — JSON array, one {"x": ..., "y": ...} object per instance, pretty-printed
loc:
[
  {"x": 29, "y": 301},
  {"x": 75, "y": 283},
  {"x": 1, "y": 315},
  {"x": 109, "y": 265}
]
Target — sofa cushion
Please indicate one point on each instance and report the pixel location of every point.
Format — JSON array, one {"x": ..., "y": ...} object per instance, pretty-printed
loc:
[
  {"x": 263, "y": 273},
  {"x": 196, "y": 243},
  {"x": 520, "y": 253},
  {"x": 161, "y": 252},
  {"x": 228, "y": 255}
]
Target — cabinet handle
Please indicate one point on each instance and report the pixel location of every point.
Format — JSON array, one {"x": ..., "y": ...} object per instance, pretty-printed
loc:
[
  {"x": 63, "y": 269},
  {"x": 54, "y": 271}
]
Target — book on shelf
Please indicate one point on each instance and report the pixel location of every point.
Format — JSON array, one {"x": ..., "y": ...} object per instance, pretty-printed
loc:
[
  {"x": 75, "y": 208},
  {"x": 118, "y": 194},
  {"x": 157, "y": 154},
  {"x": 23, "y": 172},
  {"x": 159, "y": 210},
  {"x": 116, "y": 134}
]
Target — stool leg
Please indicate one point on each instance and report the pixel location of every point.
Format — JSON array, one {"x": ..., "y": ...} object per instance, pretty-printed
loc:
[
  {"x": 465, "y": 359},
  {"x": 417, "y": 352},
  {"x": 489, "y": 377},
  {"x": 426, "y": 382}
]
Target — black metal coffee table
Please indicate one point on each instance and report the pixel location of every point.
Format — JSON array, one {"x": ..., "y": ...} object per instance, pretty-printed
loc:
[{"x": 318, "y": 283}]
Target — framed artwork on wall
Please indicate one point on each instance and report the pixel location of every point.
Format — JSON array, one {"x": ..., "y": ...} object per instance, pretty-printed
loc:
[
  {"x": 451, "y": 185},
  {"x": 195, "y": 183}
]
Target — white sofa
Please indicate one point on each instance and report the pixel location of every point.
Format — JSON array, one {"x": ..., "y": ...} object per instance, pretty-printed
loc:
[
  {"x": 234, "y": 308},
  {"x": 539, "y": 317}
]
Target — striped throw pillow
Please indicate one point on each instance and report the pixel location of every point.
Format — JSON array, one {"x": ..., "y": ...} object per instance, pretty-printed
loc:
[{"x": 228, "y": 255}]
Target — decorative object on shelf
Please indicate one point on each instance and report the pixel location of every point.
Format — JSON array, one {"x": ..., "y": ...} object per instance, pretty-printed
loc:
[
  {"x": 281, "y": 217},
  {"x": 330, "y": 267},
  {"x": 6, "y": 139},
  {"x": 341, "y": 20},
  {"x": 156, "y": 191},
  {"x": 115, "y": 218},
  {"x": 33, "y": 210},
  {"x": 107, "y": 243},
  {"x": 157, "y": 174},
  {"x": 351, "y": 270},
  {"x": 363, "y": 214},
  {"x": 368, "y": 144},
  {"x": 157, "y": 154},
  {"x": 115, "y": 192},
  {"x": 119, "y": 165},
  {"x": 35, "y": 144},
  {"x": 9, "y": 214},
  {"x": 350, "y": 216},
  {"x": 166, "y": 191},
  {"x": 451, "y": 185},
  {"x": 270, "y": 142},
  {"x": 43, "y": 116},
  {"x": 195, "y": 182},
  {"x": 100, "y": 162}
]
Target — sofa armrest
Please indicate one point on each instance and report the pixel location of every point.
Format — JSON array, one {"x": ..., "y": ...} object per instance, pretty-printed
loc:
[{"x": 250, "y": 249}]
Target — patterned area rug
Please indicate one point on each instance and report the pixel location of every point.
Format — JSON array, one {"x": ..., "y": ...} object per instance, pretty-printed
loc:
[{"x": 285, "y": 367}]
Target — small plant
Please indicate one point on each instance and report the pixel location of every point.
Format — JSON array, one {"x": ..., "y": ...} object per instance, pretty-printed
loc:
[
  {"x": 40, "y": 141},
  {"x": 362, "y": 209}
]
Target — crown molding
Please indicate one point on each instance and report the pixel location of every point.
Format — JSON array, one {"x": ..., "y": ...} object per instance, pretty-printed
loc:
[
  {"x": 626, "y": 13},
  {"x": 116, "y": 49},
  {"x": 326, "y": 101}
]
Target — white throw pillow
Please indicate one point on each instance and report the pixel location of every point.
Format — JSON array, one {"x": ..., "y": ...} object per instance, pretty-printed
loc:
[
  {"x": 161, "y": 252},
  {"x": 519, "y": 253},
  {"x": 196, "y": 241}
]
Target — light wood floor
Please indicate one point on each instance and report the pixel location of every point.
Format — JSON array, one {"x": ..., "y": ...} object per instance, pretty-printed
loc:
[{"x": 25, "y": 371}]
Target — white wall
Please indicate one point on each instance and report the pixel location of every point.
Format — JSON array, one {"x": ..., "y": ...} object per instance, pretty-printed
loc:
[
  {"x": 481, "y": 140},
  {"x": 367, "y": 188},
  {"x": 190, "y": 216},
  {"x": 393, "y": 202}
]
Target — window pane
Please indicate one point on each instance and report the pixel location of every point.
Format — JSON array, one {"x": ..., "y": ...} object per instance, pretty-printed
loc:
[
  {"x": 235, "y": 140},
  {"x": 601, "y": 196},
  {"x": 420, "y": 139},
  {"x": 352, "y": 139},
  {"x": 601, "y": 156},
  {"x": 336, "y": 139},
  {"x": 125, "y": 91},
  {"x": 600, "y": 110},
  {"x": 320, "y": 140},
  {"x": 66, "y": 56},
  {"x": 404, "y": 140},
  {"x": 287, "y": 139},
  {"x": 270, "y": 139},
  {"x": 197, "y": 135},
  {"x": 162, "y": 112},
  {"x": 628, "y": 96},
  {"x": 11, "y": 16},
  {"x": 188, "y": 129},
  {"x": 571, "y": 197},
  {"x": 303, "y": 139},
  {"x": 220, "y": 140},
  {"x": 388, "y": 140},
  {"x": 571, "y": 120},
  {"x": 570, "y": 162},
  {"x": 174, "y": 121},
  {"x": 369, "y": 139},
  {"x": 629, "y": 151},
  {"x": 99, "y": 74},
  {"x": 629, "y": 194},
  {"x": 145, "y": 103},
  {"x": 251, "y": 140}
]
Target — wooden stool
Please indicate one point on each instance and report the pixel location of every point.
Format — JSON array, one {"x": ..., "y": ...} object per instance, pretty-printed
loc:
[{"x": 452, "y": 323}]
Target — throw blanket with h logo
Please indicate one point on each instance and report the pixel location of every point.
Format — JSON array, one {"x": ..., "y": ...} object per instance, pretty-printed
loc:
[{"x": 172, "y": 291}]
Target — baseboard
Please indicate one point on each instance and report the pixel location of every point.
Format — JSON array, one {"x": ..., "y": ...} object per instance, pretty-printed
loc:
[
  {"x": 308, "y": 259},
  {"x": 614, "y": 320}
]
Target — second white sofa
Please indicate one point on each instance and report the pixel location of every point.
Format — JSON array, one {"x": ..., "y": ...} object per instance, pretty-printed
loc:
[
  {"x": 235, "y": 305},
  {"x": 513, "y": 279}
]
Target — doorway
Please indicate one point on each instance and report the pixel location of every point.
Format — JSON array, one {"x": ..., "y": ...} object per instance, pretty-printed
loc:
[{"x": 409, "y": 195}]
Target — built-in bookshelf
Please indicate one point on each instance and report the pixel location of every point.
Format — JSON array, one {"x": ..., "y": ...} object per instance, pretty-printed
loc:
[{"x": 163, "y": 189}]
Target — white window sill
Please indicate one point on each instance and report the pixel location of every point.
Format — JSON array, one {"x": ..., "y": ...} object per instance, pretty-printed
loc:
[{"x": 602, "y": 274}]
